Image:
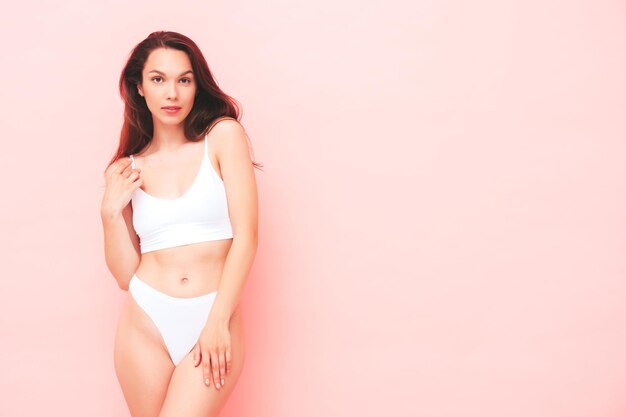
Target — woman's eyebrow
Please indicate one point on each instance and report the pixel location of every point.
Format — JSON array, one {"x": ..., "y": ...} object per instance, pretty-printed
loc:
[{"x": 162, "y": 73}]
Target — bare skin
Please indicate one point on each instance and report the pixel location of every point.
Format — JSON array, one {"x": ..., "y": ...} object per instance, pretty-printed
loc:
[
  {"x": 166, "y": 168},
  {"x": 152, "y": 385}
]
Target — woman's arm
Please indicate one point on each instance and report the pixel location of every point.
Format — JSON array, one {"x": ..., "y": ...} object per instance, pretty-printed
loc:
[
  {"x": 241, "y": 193},
  {"x": 121, "y": 245}
]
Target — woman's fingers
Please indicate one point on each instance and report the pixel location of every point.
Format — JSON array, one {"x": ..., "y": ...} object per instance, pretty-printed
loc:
[
  {"x": 222, "y": 366},
  {"x": 123, "y": 164},
  {"x": 206, "y": 364},
  {"x": 215, "y": 365},
  {"x": 215, "y": 368},
  {"x": 206, "y": 374},
  {"x": 116, "y": 167},
  {"x": 126, "y": 171},
  {"x": 229, "y": 359},
  {"x": 138, "y": 172}
]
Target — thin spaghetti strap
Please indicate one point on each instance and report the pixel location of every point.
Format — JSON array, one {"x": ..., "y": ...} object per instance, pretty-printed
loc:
[
  {"x": 216, "y": 121},
  {"x": 206, "y": 147}
]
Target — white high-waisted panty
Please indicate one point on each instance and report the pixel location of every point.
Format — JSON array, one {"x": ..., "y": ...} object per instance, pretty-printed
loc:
[{"x": 179, "y": 320}]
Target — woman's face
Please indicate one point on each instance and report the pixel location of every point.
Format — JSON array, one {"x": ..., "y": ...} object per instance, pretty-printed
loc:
[{"x": 168, "y": 80}]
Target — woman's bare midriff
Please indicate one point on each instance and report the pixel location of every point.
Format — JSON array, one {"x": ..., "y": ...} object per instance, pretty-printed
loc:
[{"x": 185, "y": 271}]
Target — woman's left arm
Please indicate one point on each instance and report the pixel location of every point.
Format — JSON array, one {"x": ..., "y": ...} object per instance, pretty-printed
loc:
[
  {"x": 241, "y": 193},
  {"x": 213, "y": 349}
]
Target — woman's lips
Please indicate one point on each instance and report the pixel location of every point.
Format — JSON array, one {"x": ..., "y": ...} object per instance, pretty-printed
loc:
[{"x": 171, "y": 110}]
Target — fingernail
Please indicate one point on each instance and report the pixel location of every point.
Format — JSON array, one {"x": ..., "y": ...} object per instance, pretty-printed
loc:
[
  {"x": 222, "y": 381},
  {"x": 217, "y": 385},
  {"x": 206, "y": 381}
]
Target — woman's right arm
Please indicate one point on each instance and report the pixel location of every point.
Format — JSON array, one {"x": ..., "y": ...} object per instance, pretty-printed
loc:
[{"x": 121, "y": 243}]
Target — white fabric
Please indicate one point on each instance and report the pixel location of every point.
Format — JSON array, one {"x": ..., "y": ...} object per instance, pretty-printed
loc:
[
  {"x": 179, "y": 320},
  {"x": 199, "y": 215}
]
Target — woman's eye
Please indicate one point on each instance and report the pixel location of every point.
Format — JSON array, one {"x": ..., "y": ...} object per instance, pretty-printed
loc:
[{"x": 188, "y": 79}]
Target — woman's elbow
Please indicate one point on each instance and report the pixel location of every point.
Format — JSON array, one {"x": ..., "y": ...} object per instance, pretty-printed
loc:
[{"x": 124, "y": 283}]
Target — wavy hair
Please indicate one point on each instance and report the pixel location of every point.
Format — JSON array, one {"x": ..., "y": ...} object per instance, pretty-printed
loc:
[{"x": 210, "y": 102}]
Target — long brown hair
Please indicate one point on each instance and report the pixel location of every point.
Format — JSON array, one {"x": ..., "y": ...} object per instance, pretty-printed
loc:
[{"x": 210, "y": 102}]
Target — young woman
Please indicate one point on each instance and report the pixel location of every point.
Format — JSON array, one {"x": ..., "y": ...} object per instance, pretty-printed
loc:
[{"x": 180, "y": 228}]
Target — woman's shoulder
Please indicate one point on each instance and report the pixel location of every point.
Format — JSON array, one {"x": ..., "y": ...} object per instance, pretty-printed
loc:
[
  {"x": 223, "y": 131},
  {"x": 222, "y": 123}
]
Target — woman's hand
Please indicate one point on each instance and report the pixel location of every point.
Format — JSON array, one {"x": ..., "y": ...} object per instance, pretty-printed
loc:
[
  {"x": 213, "y": 350},
  {"x": 121, "y": 181}
]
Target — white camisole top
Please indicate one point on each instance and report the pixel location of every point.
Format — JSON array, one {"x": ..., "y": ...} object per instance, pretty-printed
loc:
[{"x": 199, "y": 215}]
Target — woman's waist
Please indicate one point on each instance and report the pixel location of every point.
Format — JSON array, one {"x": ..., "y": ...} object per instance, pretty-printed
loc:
[{"x": 181, "y": 279}]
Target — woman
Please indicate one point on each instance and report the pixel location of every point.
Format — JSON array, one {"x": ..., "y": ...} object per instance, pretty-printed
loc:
[{"x": 180, "y": 227}]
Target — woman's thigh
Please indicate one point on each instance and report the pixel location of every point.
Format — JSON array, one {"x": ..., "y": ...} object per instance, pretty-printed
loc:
[
  {"x": 187, "y": 394},
  {"x": 142, "y": 364}
]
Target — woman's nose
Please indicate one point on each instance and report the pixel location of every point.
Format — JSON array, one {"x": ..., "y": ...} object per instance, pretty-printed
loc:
[{"x": 172, "y": 90}]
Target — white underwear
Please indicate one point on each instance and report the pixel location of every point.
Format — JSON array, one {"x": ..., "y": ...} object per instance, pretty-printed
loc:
[{"x": 179, "y": 320}]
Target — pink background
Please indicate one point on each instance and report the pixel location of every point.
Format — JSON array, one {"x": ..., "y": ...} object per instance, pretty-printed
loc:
[{"x": 442, "y": 210}]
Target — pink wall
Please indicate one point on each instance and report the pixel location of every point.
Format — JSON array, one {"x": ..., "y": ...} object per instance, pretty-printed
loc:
[{"x": 442, "y": 211}]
